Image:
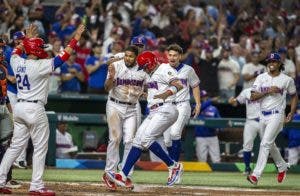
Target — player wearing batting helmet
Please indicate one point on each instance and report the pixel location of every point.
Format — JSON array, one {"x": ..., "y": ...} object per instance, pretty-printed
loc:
[
  {"x": 271, "y": 89},
  {"x": 162, "y": 85},
  {"x": 30, "y": 118}
]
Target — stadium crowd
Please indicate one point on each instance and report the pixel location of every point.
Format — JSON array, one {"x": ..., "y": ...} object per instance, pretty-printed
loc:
[{"x": 226, "y": 42}]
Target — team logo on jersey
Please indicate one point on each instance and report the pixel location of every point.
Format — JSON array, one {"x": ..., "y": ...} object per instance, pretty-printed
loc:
[
  {"x": 152, "y": 85},
  {"x": 170, "y": 73},
  {"x": 129, "y": 82},
  {"x": 184, "y": 82}
]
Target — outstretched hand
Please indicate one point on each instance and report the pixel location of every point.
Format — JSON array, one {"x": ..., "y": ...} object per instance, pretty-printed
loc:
[
  {"x": 32, "y": 31},
  {"x": 79, "y": 31}
]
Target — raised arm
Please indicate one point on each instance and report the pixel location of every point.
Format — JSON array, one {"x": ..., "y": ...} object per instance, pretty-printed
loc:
[{"x": 65, "y": 54}]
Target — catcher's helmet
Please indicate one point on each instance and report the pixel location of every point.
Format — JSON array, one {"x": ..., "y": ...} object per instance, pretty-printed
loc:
[
  {"x": 147, "y": 60},
  {"x": 35, "y": 47}
]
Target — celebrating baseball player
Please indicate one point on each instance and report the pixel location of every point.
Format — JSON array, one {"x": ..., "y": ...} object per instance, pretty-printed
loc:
[
  {"x": 162, "y": 87},
  {"x": 125, "y": 83},
  {"x": 252, "y": 126},
  {"x": 270, "y": 89},
  {"x": 30, "y": 119},
  {"x": 189, "y": 79}
]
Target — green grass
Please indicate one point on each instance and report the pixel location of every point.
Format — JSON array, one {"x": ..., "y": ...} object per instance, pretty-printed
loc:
[{"x": 217, "y": 179}]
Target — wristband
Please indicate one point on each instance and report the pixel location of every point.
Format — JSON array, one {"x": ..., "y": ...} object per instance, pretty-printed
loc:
[
  {"x": 17, "y": 51},
  {"x": 173, "y": 89},
  {"x": 64, "y": 55},
  {"x": 72, "y": 43}
]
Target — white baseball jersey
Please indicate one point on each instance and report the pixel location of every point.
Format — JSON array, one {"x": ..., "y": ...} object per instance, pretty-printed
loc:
[
  {"x": 186, "y": 74},
  {"x": 129, "y": 82},
  {"x": 159, "y": 83},
  {"x": 275, "y": 101},
  {"x": 36, "y": 86},
  {"x": 252, "y": 107},
  {"x": 250, "y": 68}
]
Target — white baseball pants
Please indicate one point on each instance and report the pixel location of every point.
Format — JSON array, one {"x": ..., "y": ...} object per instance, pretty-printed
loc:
[
  {"x": 271, "y": 125},
  {"x": 294, "y": 155},
  {"x": 30, "y": 120},
  {"x": 175, "y": 131},
  {"x": 122, "y": 123},
  {"x": 156, "y": 123},
  {"x": 251, "y": 129},
  {"x": 208, "y": 145}
]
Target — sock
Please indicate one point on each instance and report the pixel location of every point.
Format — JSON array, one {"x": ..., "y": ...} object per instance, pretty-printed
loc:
[
  {"x": 170, "y": 151},
  {"x": 158, "y": 151},
  {"x": 247, "y": 159},
  {"x": 176, "y": 150},
  {"x": 133, "y": 155}
]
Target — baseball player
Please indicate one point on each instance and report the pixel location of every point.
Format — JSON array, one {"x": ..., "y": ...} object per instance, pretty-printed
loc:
[
  {"x": 293, "y": 136},
  {"x": 30, "y": 119},
  {"x": 271, "y": 89},
  {"x": 162, "y": 87},
  {"x": 207, "y": 141},
  {"x": 252, "y": 126},
  {"x": 125, "y": 84},
  {"x": 140, "y": 43},
  {"x": 189, "y": 79}
]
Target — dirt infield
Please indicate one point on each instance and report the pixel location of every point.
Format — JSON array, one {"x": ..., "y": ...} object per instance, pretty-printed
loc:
[{"x": 99, "y": 189}]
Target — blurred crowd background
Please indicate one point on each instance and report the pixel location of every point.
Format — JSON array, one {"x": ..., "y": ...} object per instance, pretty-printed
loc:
[{"x": 221, "y": 38}]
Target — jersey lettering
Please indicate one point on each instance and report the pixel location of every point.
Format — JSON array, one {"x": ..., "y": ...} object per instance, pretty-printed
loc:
[
  {"x": 21, "y": 69},
  {"x": 152, "y": 85},
  {"x": 23, "y": 82},
  {"x": 129, "y": 82},
  {"x": 266, "y": 89}
]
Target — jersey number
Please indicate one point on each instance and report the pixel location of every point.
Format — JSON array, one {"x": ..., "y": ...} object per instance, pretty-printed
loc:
[{"x": 23, "y": 82}]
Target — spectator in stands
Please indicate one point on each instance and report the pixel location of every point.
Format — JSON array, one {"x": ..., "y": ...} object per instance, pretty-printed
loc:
[
  {"x": 71, "y": 76},
  {"x": 83, "y": 50},
  {"x": 18, "y": 25},
  {"x": 208, "y": 73},
  {"x": 97, "y": 69},
  {"x": 228, "y": 74},
  {"x": 252, "y": 69},
  {"x": 207, "y": 141},
  {"x": 289, "y": 65},
  {"x": 293, "y": 136},
  {"x": 64, "y": 143}
]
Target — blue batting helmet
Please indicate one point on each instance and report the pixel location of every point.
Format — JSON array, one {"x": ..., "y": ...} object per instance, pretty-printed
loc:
[
  {"x": 273, "y": 56},
  {"x": 203, "y": 93},
  {"x": 139, "y": 41},
  {"x": 18, "y": 35}
]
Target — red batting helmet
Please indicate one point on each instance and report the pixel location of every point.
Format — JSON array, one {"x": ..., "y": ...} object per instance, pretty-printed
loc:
[
  {"x": 147, "y": 60},
  {"x": 35, "y": 47}
]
